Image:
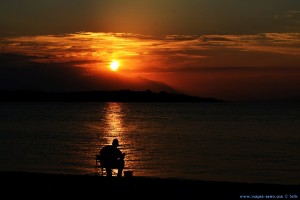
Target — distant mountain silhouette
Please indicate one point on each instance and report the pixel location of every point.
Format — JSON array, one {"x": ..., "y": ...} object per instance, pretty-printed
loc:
[
  {"x": 138, "y": 83},
  {"x": 99, "y": 96},
  {"x": 147, "y": 84},
  {"x": 22, "y": 73},
  {"x": 22, "y": 78}
]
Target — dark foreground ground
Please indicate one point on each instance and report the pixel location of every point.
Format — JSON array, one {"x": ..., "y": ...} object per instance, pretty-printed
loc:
[{"x": 56, "y": 186}]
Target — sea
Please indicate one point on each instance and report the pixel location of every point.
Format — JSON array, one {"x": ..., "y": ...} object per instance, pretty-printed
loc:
[{"x": 254, "y": 142}]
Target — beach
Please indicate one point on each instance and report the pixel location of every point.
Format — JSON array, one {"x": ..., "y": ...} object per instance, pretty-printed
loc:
[
  {"x": 203, "y": 97},
  {"x": 43, "y": 185}
]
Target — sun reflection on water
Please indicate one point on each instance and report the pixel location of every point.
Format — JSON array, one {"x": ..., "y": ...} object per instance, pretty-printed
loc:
[
  {"x": 113, "y": 119},
  {"x": 114, "y": 127}
]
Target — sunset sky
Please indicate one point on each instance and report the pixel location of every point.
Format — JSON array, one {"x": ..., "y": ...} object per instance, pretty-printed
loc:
[{"x": 229, "y": 49}]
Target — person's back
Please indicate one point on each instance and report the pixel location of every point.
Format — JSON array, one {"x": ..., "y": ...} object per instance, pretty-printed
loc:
[
  {"x": 110, "y": 153},
  {"x": 112, "y": 157}
]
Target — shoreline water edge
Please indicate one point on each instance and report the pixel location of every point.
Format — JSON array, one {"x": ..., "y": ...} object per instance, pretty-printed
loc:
[{"x": 52, "y": 185}]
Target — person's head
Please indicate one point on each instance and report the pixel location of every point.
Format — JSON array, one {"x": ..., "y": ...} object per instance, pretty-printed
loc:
[{"x": 115, "y": 142}]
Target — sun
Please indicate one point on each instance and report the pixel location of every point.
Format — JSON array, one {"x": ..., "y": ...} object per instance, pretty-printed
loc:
[{"x": 114, "y": 65}]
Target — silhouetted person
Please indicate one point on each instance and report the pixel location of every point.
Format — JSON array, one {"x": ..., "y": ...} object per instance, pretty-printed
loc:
[{"x": 112, "y": 157}]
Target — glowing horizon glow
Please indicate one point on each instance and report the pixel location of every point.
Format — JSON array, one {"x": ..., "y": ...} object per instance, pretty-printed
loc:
[
  {"x": 114, "y": 65},
  {"x": 219, "y": 63}
]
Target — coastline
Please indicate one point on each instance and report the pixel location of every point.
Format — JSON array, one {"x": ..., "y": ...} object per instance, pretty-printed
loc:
[{"x": 59, "y": 185}]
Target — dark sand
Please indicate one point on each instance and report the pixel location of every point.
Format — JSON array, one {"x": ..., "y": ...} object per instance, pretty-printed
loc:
[{"x": 57, "y": 186}]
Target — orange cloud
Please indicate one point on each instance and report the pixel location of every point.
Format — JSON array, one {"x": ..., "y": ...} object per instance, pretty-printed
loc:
[{"x": 184, "y": 61}]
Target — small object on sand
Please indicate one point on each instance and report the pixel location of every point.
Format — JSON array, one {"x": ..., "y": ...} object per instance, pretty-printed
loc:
[{"x": 128, "y": 174}]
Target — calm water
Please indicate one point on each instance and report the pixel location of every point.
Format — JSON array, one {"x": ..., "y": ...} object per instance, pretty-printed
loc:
[{"x": 248, "y": 142}]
